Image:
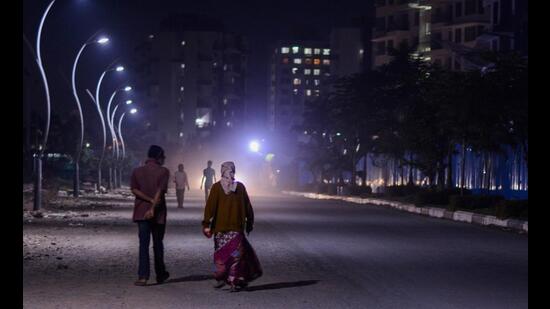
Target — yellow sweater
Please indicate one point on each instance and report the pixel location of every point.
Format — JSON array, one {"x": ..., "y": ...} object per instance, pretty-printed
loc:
[{"x": 233, "y": 209}]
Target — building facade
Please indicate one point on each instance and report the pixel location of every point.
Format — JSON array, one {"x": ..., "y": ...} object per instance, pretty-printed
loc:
[
  {"x": 192, "y": 82},
  {"x": 446, "y": 32},
  {"x": 298, "y": 73}
]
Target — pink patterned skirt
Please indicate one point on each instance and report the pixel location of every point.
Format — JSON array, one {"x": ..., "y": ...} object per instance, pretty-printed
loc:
[{"x": 235, "y": 259}]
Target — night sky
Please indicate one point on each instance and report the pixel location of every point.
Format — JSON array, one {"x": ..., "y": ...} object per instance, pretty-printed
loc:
[{"x": 128, "y": 22}]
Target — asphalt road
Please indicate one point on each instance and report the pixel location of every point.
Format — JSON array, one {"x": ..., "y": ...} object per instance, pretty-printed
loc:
[{"x": 315, "y": 254}]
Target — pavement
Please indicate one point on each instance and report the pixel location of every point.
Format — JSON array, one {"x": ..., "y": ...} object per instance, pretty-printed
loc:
[{"x": 315, "y": 254}]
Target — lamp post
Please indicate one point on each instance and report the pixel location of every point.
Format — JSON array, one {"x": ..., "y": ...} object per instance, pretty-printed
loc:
[
  {"x": 76, "y": 180},
  {"x": 112, "y": 168},
  {"x": 118, "y": 69},
  {"x": 132, "y": 111},
  {"x": 38, "y": 156}
]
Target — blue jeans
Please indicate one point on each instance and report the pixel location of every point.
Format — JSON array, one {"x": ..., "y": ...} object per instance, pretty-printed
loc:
[{"x": 146, "y": 229}]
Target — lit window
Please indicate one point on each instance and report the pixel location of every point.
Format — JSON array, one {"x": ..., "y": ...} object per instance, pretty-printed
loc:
[
  {"x": 307, "y": 81},
  {"x": 298, "y": 60},
  {"x": 327, "y": 74},
  {"x": 317, "y": 51},
  {"x": 317, "y": 92},
  {"x": 182, "y": 88},
  {"x": 294, "y": 70},
  {"x": 326, "y": 62},
  {"x": 308, "y": 61},
  {"x": 228, "y": 123},
  {"x": 215, "y": 64},
  {"x": 182, "y": 65},
  {"x": 224, "y": 101},
  {"x": 151, "y": 36},
  {"x": 308, "y": 92},
  {"x": 225, "y": 67},
  {"x": 181, "y": 134},
  {"x": 307, "y": 51},
  {"x": 297, "y": 81},
  {"x": 182, "y": 43},
  {"x": 316, "y": 61},
  {"x": 317, "y": 82},
  {"x": 285, "y": 60},
  {"x": 307, "y": 71},
  {"x": 361, "y": 51},
  {"x": 295, "y": 49},
  {"x": 326, "y": 51},
  {"x": 285, "y": 50},
  {"x": 295, "y": 91},
  {"x": 316, "y": 72}
]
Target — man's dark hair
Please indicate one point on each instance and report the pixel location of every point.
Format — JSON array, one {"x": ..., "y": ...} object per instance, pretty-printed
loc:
[
  {"x": 155, "y": 152},
  {"x": 180, "y": 165},
  {"x": 209, "y": 162}
]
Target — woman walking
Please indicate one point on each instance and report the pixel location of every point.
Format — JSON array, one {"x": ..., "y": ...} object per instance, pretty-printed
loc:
[{"x": 228, "y": 213}]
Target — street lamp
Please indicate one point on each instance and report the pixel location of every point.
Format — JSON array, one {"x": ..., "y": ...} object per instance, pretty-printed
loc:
[
  {"x": 132, "y": 111},
  {"x": 117, "y": 181},
  {"x": 114, "y": 142},
  {"x": 76, "y": 180},
  {"x": 38, "y": 157},
  {"x": 118, "y": 69}
]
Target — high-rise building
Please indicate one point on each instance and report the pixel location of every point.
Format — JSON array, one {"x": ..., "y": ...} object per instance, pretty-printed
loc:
[
  {"x": 446, "y": 31},
  {"x": 298, "y": 73},
  {"x": 193, "y": 81}
]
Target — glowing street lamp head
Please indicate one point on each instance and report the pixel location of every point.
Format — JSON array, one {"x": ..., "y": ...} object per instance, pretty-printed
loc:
[
  {"x": 254, "y": 146},
  {"x": 103, "y": 40},
  {"x": 128, "y": 102},
  {"x": 133, "y": 111},
  {"x": 127, "y": 88},
  {"x": 119, "y": 68}
]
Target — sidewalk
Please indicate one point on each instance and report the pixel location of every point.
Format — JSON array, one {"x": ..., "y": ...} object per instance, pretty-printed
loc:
[{"x": 462, "y": 216}]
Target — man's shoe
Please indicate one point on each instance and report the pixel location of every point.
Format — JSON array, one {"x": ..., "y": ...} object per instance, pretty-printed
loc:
[
  {"x": 141, "y": 282},
  {"x": 162, "y": 278},
  {"x": 219, "y": 284}
]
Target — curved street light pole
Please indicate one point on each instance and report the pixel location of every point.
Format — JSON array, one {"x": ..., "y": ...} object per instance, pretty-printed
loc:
[
  {"x": 76, "y": 180},
  {"x": 102, "y": 122},
  {"x": 117, "y": 179},
  {"x": 38, "y": 157},
  {"x": 122, "y": 144},
  {"x": 104, "y": 137},
  {"x": 113, "y": 138},
  {"x": 121, "y": 139}
]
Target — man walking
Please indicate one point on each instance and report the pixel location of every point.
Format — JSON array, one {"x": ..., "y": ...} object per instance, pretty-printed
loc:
[
  {"x": 149, "y": 184},
  {"x": 209, "y": 178},
  {"x": 180, "y": 178}
]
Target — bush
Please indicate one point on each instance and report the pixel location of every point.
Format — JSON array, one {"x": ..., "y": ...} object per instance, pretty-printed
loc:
[
  {"x": 322, "y": 188},
  {"x": 360, "y": 190},
  {"x": 401, "y": 190},
  {"x": 511, "y": 209},
  {"x": 431, "y": 196},
  {"x": 471, "y": 202}
]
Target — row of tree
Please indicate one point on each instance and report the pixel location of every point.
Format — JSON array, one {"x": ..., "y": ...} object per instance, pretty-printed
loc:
[{"x": 418, "y": 114}]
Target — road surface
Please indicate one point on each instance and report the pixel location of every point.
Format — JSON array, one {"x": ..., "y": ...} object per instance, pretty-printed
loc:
[{"x": 315, "y": 254}]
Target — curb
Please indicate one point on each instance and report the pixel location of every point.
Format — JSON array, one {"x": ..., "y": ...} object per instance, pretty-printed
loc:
[{"x": 460, "y": 216}]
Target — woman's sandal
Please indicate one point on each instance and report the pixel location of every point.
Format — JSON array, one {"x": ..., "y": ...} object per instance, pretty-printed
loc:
[{"x": 141, "y": 282}]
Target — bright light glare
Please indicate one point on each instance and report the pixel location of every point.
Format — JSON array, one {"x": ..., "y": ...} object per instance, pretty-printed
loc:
[
  {"x": 128, "y": 102},
  {"x": 254, "y": 146},
  {"x": 127, "y": 88},
  {"x": 103, "y": 40},
  {"x": 119, "y": 68},
  {"x": 133, "y": 111}
]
